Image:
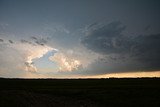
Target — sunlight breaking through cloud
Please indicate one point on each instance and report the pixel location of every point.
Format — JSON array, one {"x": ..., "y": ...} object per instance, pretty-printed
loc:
[{"x": 30, "y": 53}]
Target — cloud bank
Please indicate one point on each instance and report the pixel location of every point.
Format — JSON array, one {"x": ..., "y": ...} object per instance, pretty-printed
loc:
[
  {"x": 121, "y": 53},
  {"x": 99, "y": 48},
  {"x": 17, "y": 57}
]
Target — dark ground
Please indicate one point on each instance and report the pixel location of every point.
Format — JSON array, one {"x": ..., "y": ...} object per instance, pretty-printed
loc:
[{"x": 139, "y": 92}]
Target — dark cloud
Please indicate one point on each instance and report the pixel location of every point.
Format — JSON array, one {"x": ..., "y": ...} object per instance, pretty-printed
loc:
[
  {"x": 10, "y": 41},
  {"x": 106, "y": 39},
  {"x": 30, "y": 67},
  {"x": 1, "y": 40},
  {"x": 146, "y": 49},
  {"x": 147, "y": 28},
  {"x": 34, "y": 38},
  {"x": 39, "y": 41},
  {"x": 125, "y": 53},
  {"x": 35, "y": 41},
  {"x": 24, "y": 41},
  {"x": 28, "y": 42}
]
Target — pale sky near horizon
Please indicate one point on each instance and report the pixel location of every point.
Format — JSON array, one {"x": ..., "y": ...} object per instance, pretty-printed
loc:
[{"x": 79, "y": 38}]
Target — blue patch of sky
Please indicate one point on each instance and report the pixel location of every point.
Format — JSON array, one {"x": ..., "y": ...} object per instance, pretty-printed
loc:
[{"x": 44, "y": 63}]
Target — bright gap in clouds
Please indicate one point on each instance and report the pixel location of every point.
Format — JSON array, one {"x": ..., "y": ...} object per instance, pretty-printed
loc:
[
  {"x": 52, "y": 61},
  {"x": 30, "y": 53},
  {"x": 44, "y": 65}
]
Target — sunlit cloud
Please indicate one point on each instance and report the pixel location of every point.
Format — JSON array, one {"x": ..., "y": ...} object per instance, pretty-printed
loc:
[
  {"x": 65, "y": 63},
  {"x": 30, "y": 52}
]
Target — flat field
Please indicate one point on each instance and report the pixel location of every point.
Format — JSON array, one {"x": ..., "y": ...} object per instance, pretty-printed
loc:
[{"x": 113, "y": 92}]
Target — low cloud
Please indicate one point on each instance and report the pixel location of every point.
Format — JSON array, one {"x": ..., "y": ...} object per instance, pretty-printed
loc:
[
  {"x": 1, "y": 40},
  {"x": 39, "y": 41},
  {"x": 10, "y": 41},
  {"x": 30, "y": 67},
  {"x": 27, "y": 42}
]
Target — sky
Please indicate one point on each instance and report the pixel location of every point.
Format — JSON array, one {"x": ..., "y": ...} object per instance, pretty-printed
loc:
[{"x": 79, "y": 38}]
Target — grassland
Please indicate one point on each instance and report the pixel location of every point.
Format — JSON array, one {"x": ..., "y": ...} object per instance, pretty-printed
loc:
[{"x": 133, "y": 92}]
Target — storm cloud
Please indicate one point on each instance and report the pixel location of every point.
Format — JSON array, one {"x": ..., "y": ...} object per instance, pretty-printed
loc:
[
  {"x": 1, "y": 40},
  {"x": 122, "y": 52},
  {"x": 106, "y": 39},
  {"x": 146, "y": 49}
]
